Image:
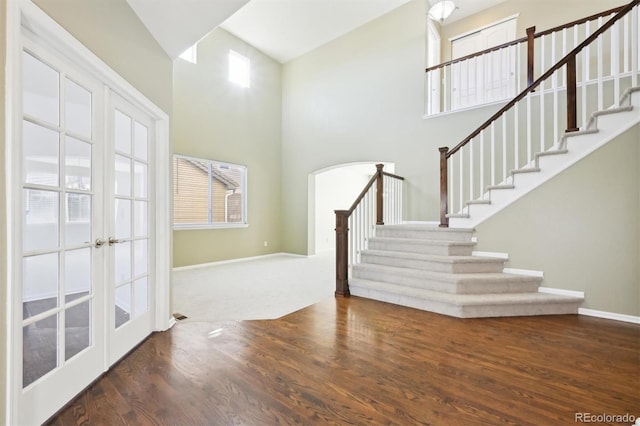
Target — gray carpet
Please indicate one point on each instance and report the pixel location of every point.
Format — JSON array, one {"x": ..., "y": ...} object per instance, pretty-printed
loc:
[{"x": 263, "y": 288}]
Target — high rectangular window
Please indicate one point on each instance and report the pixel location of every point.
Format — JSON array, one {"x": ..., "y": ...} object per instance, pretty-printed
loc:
[
  {"x": 208, "y": 193},
  {"x": 239, "y": 69}
]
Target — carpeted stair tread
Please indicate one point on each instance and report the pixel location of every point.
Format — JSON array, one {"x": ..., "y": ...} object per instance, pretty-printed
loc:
[
  {"x": 465, "y": 299},
  {"x": 488, "y": 277}
]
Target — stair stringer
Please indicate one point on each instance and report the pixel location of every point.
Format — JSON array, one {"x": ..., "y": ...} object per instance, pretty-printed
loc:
[{"x": 572, "y": 148}]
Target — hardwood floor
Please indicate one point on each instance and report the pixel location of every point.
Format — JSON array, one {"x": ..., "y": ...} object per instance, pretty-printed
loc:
[{"x": 358, "y": 361}]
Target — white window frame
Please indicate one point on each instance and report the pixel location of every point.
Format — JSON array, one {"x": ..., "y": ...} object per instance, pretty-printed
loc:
[{"x": 210, "y": 224}]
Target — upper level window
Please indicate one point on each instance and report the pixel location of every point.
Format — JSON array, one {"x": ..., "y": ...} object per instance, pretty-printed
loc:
[
  {"x": 239, "y": 69},
  {"x": 208, "y": 193},
  {"x": 191, "y": 54}
]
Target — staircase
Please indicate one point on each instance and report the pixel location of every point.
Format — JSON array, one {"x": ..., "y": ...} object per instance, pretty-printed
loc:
[
  {"x": 602, "y": 127},
  {"x": 432, "y": 268}
]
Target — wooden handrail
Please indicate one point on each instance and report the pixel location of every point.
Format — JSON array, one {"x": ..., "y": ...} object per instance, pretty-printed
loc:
[
  {"x": 580, "y": 21},
  {"x": 392, "y": 175},
  {"x": 524, "y": 39},
  {"x": 570, "y": 60},
  {"x": 546, "y": 75},
  {"x": 367, "y": 187},
  {"x": 342, "y": 227},
  {"x": 480, "y": 53}
]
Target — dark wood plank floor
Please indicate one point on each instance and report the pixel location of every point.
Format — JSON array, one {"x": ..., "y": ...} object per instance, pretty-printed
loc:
[{"x": 357, "y": 361}]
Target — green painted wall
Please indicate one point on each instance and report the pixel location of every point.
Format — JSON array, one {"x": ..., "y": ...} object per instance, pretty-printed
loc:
[
  {"x": 114, "y": 33},
  {"x": 216, "y": 119}
]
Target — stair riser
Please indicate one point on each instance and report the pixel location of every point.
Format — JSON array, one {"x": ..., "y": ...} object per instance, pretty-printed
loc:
[
  {"x": 476, "y": 311},
  {"x": 421, "y": 248},
  {"x": 424, "y": 234},
  {"x": 446, "y": 286},
  {"x": 428, "y": 265}
]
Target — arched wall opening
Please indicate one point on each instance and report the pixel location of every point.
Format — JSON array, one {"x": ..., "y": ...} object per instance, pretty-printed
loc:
[{"x": 335, "y": 188}]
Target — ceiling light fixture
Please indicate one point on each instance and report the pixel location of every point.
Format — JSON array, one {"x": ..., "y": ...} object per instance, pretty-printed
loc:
[{"x": 441, "y": 10}]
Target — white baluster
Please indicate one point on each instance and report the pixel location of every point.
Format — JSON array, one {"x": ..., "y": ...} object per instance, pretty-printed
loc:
[
  {"x": 564, "y": 53},
  {"x": 516, "y": 134},
  {"x": 528, "y": 118},
  {"x": 450, "y": 165},
  {"x": 626, "y": 37},
  {"x": 493, "y": 153},
  {"x": 587, "y": 51},
  {"x": 542, "y": 62},
  {"x": 471, "y": 171},
  {"x": 461, "y": 178},
  {"x": 518, "y": 66},
  {"x": 542, "y": 125},
  {"x": 554, "y": 86},
  {"x": 445, "y": 87},
  {"x": 481, "y": 186},
  {"x": 504, "y": 147},
  {"x": 635, "y": 47},
  {"x": 615, "y": 61},
  {"x": 600, "y": 70}
]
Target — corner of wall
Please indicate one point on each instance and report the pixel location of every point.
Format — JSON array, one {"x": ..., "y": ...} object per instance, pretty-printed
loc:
[{"x": 3, "y": 204}]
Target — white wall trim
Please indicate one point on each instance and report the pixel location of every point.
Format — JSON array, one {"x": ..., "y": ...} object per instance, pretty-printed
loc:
[
  {"x": 527, "y": 272},
  {"x": 493, "y": 254},
  {"x": 238, "y": 260},
  {"x": 421, "y": 222},
  {"x": 12, "y": 77},
  {"x": 561, "y": 292},
  {"x": 609, "y": 315}
]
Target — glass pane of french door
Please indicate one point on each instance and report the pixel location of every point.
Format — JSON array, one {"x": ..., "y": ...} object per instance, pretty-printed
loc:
[
  {"x": 58, "y": 283},
  {"x": 131, "y": 227},
  {"x": 62, "y": 292}
]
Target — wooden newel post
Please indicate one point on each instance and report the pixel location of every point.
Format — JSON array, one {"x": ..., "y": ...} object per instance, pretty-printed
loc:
[
  {"x": 379, "y": 193},
  {"x": 572, "y": 98},
  {"x": 342, "y": 254},
  {"x": 444, "y": 188},
  {"x": 530, "y": 54}
]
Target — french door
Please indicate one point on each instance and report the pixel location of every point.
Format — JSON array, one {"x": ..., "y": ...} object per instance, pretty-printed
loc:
[{"x": 85, "y": 239}]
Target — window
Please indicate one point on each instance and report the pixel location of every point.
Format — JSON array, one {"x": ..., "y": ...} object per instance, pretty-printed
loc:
[
  {"x": 239, "y": 69},
  {"x": 208, "y": 193},
  {"x": 191, "y": 54}
]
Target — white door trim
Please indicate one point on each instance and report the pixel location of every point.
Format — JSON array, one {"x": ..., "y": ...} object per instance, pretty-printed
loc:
[{"x": 22, "y": 15}]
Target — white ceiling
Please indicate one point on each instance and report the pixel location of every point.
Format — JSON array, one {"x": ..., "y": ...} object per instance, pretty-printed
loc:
[
  {"x": 282, "y": 29},
  {"x": 178, "y": 24}
]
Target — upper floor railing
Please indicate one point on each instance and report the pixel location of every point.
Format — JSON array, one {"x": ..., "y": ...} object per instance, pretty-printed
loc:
[
  {"x": 379, "y": 202},
  {"x": 594, "y": 75},
  {"x": 500, "y": 72}
]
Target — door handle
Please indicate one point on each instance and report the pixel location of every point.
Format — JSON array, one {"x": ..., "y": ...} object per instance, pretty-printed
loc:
[
  {"x": 113, "y": 241},
  {"x": 99, "y": 243}
]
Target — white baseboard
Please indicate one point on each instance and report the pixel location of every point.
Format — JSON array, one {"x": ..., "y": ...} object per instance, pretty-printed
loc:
[
  {"x": 561, "y": 292},
  {"x": 609, "y": 315},
  {"x": 526, "y": 272},
  {"x": 240, "y": 259},
  {"x": 496, "y": 255}
]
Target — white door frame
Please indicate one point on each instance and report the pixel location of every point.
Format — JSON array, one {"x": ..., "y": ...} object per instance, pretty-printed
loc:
[{"x": 22, "y": 15}]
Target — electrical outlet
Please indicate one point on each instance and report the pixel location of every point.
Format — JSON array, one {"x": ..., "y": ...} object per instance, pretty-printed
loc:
[{"x": 266, "y": 243}]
